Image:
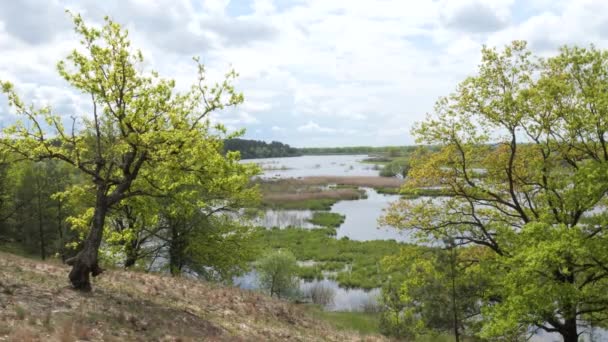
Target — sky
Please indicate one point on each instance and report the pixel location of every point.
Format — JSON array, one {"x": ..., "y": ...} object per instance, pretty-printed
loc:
[{"x": 313, "y": 72}]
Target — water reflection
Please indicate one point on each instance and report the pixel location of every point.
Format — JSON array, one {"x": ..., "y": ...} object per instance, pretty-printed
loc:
[
  {"x": 284, "y": 219},
  {"x": 362, "y": 216},
  {"x": 343, "y": 300}
]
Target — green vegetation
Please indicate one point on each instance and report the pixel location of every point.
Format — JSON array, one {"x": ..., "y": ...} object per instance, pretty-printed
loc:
[
  {"x": 277, "y": 273},
  {"x": 397, "y": 166},
  {"x": 250, "y": 149},
  {"x": 394, "y": 150},
  {"x": 308, "y": 204},
  {"x": 362, "y": 322},
  {"x": 535, "y": 129},
  {"x": 519, "y": 151},
  {"x": 330, "y": 220},
  {"x": 145, "y": 148},
  {"x": 356, "y": 263}
]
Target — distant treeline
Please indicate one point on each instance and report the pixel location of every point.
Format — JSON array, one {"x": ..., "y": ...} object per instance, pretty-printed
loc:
[
  {"x": 251, "y": 149},
  {"x": 393, "y": 150},
  {"x": 260, "y": 149}
]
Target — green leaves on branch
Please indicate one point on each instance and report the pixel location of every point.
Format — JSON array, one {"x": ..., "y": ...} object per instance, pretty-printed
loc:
[{"x": 524, "y": 160}]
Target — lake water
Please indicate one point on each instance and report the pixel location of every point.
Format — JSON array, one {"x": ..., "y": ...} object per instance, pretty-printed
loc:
[
  {"x": 306, "y": 166},
  {"x": 362, "y": 216},
  {"x": 343, "y": 299},
  {"x": 361, "y": 222},
  {"x": 284, "y": 219}
]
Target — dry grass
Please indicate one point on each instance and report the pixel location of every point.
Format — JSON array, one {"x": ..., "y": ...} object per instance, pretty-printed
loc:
[
  {"x": 339, "y": 194},
  {"x": 372, "y": 182},
  {"x": 316, "y": 188},
  {"x": 130, "y": 306},
  {"x": 292, "y": 184}
]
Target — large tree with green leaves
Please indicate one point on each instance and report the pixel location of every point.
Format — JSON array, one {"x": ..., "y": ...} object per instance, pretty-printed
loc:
[
  {"x": 140, "y": 138},
  {"x": 524, "y": 159}
]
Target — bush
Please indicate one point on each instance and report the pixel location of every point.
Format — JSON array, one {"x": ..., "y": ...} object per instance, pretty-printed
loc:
[
  {"x": 277, "y": 273},
  {"x": 395, "y": 168},
  {"x": 322, "y": 294}
]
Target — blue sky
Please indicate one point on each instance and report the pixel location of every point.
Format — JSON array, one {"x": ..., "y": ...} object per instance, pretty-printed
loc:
[{"x": 314, "y": 72}]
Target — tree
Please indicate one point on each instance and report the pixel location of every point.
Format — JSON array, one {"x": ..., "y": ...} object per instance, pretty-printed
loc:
[
  {"x": 277, "y": 273},
  {"x": 140, "y": 130},
  {"x": 433, "y": 291},
  {"x": 524, "y": 159}
]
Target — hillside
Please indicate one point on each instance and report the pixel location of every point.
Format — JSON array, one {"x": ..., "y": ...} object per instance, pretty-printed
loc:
[{"x": 36, "y": 304}]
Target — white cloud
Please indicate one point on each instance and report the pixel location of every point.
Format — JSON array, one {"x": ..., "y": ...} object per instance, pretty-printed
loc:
[
  {"x": 313, "y": 127},
  {"x": 328, "y": 72}
]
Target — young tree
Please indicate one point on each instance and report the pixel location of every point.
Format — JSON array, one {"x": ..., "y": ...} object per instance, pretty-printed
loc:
[
  {"x": 277, "y": 273},
  {"x": 435, "y": 292},
  {"x": 524, "y": 159},
  {"x": 138, "y": 133}
]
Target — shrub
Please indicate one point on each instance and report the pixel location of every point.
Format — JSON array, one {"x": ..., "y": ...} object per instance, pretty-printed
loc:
[
  {"x": 277, "y": 273},
  {"x": 322, "y": 294}
]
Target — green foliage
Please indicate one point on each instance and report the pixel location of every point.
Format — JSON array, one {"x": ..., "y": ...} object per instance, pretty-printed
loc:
[
  {"x": 434, "y": 291},
  {"x": 33, "y": 219},
  {"x": 523, "y": 158},
  {"x": 310, "y": 272},
  {"x": 362, "y": 322},
  {"x": 306, "y": 204},
  {"x": 394, "y": 168},
  {"x": 250, "y": 149},
  {"x": 393, "y": 150},
  {"x": 142, "y": 139},
  {"x": 206, "y": 249},
  {"x": 327, "y": 219},
  {"x": 357, "y": 263},
  {"x": 277, "y": 273}
]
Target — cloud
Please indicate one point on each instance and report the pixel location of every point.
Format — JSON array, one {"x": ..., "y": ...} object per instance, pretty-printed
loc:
[
  {"x": 239, "y": 31},
  {"x": 33, "y": 21},
  {"x": 313, "y": 72},
  {"x": 474, "y": 16},
  {"x": 313, "y": 127}
]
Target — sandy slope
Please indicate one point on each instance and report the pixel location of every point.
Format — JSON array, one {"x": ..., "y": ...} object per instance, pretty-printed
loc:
[{"x": 37, "y": 305}]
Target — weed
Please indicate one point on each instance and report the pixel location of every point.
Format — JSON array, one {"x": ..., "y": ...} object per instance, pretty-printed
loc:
[{"x": 20, "y": 312}]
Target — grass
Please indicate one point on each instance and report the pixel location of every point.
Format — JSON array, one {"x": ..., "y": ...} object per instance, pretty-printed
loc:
[
  {"x": 388, "y": 191},
  {"x": 310, "y": 204},
  {"x": 363, "y": 181},
  {"x": 132, "y": 306},
  {"x": 297, "y": 194},
  {"x": 357, "y": 263},
  {"x": 325, "y": 219},
  {"x": 310, "y": 273},
  {"x": 362, "y": 322}
]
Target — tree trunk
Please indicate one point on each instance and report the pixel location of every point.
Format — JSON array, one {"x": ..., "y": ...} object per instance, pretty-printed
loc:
[
  {"x": 131, "y": 253},
  {"x": 176, "y": 250},
  {"x": 60, "y": 231},
  {"x": 40, "y": 224},
  {"x": 454, "y": 306},
  {"x": 570, "y": 330},
  {"x": 85, "y": 262}
]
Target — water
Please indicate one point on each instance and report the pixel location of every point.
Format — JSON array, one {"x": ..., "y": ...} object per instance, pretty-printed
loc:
[
  {"x": 362, "y": 216},
  {"x": 361, "y": 222},
  {"x": 284, "y": 219},
  {"x": 343, "y": 299},
  {"x": 306, "y": 166}
]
